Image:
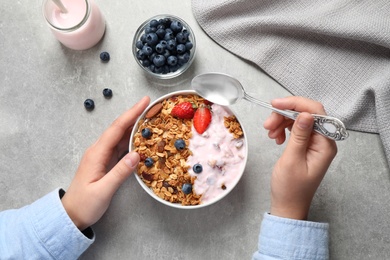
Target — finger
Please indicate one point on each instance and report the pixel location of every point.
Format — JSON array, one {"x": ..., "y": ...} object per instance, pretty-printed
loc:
[
  {"x": 119, "y": 173},
  {"x": 300, "y": 104},
  {"x": 273, "y": 121},
  {"x": 114, "y": 134},
  {"x": 281, "y": 128},
  {"x": 300, "y": 136}
]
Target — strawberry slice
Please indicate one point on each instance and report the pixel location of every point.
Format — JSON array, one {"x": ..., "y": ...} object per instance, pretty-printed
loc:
[
  {"x": 202, "y": 119},
  {"x": 183, "y": 110}
]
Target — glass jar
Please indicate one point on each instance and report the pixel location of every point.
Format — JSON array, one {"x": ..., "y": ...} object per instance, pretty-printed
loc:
[{"x": 79, "y": 28}]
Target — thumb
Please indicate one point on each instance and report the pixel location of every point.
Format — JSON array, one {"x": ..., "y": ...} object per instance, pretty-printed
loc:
[
  {"x": 120, "y": 172},
  {"x": 300, "y": 135}
]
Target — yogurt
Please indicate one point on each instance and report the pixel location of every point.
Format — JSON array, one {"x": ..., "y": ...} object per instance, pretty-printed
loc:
[{"x": 220, "y": 154}]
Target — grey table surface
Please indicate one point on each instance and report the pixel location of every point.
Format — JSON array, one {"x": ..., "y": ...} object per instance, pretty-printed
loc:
[{"x": 44, "y": 130}]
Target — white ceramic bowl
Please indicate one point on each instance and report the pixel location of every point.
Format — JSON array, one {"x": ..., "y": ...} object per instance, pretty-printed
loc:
[
  {"x": 233, "y": 183},
  {"x": 166, "y": 75}
]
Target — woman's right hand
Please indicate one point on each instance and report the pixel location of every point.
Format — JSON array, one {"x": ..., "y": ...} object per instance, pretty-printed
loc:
[{"x": 299, "y": 171}]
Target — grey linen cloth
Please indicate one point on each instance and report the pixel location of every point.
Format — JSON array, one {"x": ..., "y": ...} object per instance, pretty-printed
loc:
[{"x": 336, "y": 51}]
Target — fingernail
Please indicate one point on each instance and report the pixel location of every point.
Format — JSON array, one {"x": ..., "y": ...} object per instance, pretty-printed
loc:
[
  {"x": 131, "y": 159},
  {"x": 304, "y": 122}
]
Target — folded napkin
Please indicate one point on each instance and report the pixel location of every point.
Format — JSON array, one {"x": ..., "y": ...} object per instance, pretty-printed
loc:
[{"x": 336, "y": 51}]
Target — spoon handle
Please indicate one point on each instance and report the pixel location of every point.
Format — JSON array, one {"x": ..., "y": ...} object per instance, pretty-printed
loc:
[{"x": 327, "y": 126}]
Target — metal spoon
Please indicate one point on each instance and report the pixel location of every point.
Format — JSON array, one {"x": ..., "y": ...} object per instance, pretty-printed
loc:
[{"x": 225, "y": 90}]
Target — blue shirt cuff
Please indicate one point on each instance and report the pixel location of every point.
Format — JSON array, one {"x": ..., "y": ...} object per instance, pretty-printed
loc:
[
  {"x": 292, "y": 239},
  {"x": 55, "y": 230}
]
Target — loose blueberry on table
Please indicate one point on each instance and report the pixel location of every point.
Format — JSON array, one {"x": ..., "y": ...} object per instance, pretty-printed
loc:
[
  {"x": 89, "y": 104},
  {"x": 105, "y": 56},
  {"x": 107, "y": 93},
  {"x": 164, "y": 47}
]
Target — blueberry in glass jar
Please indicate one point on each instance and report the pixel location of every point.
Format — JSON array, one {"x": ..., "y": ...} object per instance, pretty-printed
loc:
[
  {"x": 159, "y": 60},
  {"x": 172, "y": 60},
  {"x": 166, "y": 43}
]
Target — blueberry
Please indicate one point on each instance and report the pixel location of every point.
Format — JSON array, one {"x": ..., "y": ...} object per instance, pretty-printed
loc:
[
  {"x": 186, "y": 33},
  {"x": 171, "y": 44},
  {"x": 107, "y": 93},
  {"x": 146, "y": 62},
  {"x": 159, "y": 60},
  {"x": 146, "y": 133},
  {"x": 150, "y": 30},
  {"x": 165, "y": 69},
  {"x": 160, "y": 33},
  {"x": 147, "y": 50},
  {"x": 149, "y": 162},
  {"x": 187, "y": 188},
  {"x": 181, "y": 37},
  {"x": 89, "y": 104},
  {"x": 140, "y": 55},
  {"x": 189, "y": 46},
  {"x": 180, "y": 144},
  {"x": 174, "y": 68},
  {"x": 152, "y": 68},
  {"x": 176, "y": 26},
  {"x": 183, "y": 58},
  {"x": 168, "y": 36},
  {"x": 154, "y": 23},
  {"x": 158, "y": 70},
  {"x": 151, "y": 39},
  {"x": 151, "y": 57},
  {"x": 166, "y": 54},
  {"x": 163, "y": 43},
  {"x": 166, "y": 22},
  {"x": 181, "y": 48},
  {"x": 105, "y": 56},
  {"x": 143, "y": 38},
  {"x": 160, "y": 48},
  {"x": 139, "y": 44},
  {"x": 197, "y": 168},
  {"x": 172, "y": 60}
]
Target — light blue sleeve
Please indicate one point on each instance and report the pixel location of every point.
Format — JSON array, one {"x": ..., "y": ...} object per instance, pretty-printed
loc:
[
  {"x": 42, "y": 230},
  {"x": 282, "y": 238}
]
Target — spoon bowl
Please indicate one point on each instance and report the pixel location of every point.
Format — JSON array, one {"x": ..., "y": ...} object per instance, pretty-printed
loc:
[
  {"x": 225, "y": 90},
  {"x": 219, "y": 88}
]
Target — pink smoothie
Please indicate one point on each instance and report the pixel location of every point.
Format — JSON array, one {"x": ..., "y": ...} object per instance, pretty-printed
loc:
[
  {"x": 80, "y": 28},
  {"x": 221, "y": 155}
]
